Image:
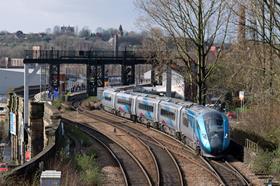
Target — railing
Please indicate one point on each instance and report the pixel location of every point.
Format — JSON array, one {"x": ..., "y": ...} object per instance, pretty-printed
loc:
[
  {"x": 60, "y": 54},
  {"x": 249, "y": 144}
]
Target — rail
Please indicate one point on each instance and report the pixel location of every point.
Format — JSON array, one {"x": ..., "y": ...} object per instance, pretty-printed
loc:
[
  {"x": 108, "y": 149},
  {"x": 131, "y": 173},
  {"x": 165, "y": 172},
  {"x": 227, "y": 173},
  {"x": 241, "y": 176},
  {"x": 218, "y": 176},
  {"x": 174, "y": 161}
]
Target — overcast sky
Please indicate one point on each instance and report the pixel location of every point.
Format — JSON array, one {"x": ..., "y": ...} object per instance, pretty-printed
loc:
[{"x": 37, "y": 15}]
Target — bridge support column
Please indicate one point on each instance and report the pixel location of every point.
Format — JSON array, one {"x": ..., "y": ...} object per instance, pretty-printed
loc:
[
  {"x": 168, "y": 81},
  {"x": 132, "y": 74},
  {"x": 95, "y": 78},
  {"x": 128, "y": 74},
  {"x": 91, "y": 80},
  {"x": 153, "y": 76},
  {"x": 54, "y": 73}
]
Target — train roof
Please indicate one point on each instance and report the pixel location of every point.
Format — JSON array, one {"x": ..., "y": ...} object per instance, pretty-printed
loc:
[{"x": 200, "y": 109}]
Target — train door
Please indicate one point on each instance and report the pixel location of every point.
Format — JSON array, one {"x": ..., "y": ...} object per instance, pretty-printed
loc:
[{"x": 186, "y": 128}]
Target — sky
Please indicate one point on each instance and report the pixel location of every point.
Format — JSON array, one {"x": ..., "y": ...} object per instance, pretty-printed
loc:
[{"x": 38, "y": 15}]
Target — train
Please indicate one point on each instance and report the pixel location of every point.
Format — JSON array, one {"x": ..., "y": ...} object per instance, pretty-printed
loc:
[{"x": 203, "y": 129}]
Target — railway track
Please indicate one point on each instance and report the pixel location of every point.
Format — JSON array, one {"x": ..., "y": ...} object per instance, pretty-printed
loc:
[
  {"x": 184, "y": 159},
  {"x": 223, "y": 172},
  {"x": 106, "y": 158},
  {"x": 133, "y": 172},
  {"x": 170, "y": 173},
  {"x": 228, "y": 174}
]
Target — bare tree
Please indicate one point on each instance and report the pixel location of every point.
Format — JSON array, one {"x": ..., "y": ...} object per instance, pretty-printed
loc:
[
  {"x": 194, "y": 26},
  {"x": 263, "y": 20}
]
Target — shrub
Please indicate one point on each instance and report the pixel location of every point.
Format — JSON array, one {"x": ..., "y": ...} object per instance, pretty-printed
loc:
[
  {"x": 76, "y": 133},
  {"x": 89, "y": 171},
  {"x": 84, "y": 162},
  {"x": 93, "y": 99},
  {"x": 275, "y": 166},
  {"x": 57, "y": 104},
  {"x": 263, "y": 162}
]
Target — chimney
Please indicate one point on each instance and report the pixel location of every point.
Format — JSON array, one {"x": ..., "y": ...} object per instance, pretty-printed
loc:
[{"x": 242, "y": 24}]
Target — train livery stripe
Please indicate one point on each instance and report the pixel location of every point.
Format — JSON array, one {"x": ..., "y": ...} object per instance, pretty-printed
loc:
[{"x": 226, "y": 139}]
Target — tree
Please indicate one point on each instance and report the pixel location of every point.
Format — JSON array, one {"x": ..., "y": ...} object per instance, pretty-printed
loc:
[
  {"x": 194, "y": 26},
  {"x": 48, "y": 31},
  {"x": 56, "y": 30},
  {"x": 85, "y": 32},
  {"x": 121, "y": 30},
  {"x": 263, "y": 21}
]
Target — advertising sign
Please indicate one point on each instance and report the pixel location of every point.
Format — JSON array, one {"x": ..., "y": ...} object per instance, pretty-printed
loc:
[{"x": 13, "y": 123}]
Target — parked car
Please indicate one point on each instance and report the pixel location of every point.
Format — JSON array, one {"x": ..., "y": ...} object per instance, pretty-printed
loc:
[
  {"x": 3, "y": 167},
  {"x": 231, "y": 115}
]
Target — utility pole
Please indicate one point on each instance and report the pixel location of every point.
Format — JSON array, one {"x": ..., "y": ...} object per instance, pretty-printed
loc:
[{"x": 168, "y": 81}]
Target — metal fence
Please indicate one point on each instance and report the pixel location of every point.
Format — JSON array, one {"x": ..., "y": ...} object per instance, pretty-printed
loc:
[
  {"x": 251, "y": 145},
  {"x": 60, "y": 54}
]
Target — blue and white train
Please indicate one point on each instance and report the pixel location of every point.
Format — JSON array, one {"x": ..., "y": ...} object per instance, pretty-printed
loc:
[{"x": 204, "y": 129}]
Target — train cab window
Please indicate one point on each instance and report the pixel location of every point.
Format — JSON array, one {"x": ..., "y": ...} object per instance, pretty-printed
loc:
[
  {"x": 148, "y": 108},
  {"x": 167, "y": 114},
  {"x": 213, "y": 121},
  {"x": 107, "y": 98},
  {"x": 124, "y": 101}
]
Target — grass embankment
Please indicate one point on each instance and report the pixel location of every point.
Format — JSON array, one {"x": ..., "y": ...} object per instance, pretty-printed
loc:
[
  {"x": 263, "y": 121},
  {"x": 80, "y": 167},
  {"x": 76, "y": 160}
]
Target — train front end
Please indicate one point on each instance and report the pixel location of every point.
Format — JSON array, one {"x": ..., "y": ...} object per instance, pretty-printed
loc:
[{"x": 213, "y": 133}]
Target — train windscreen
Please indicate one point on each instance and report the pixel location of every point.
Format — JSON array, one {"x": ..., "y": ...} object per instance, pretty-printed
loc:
[
  {"x": 215, "y": 131},
  {"x": 213, "y": 119}
]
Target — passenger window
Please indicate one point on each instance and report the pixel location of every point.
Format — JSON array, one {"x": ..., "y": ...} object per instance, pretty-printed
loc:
[
  {"x": 185, "y": 121},
  {"x": 124, "y": 101},
  {"x": 167, "y": 114},
  {"x": 146, "y": 107},
  {"x": 108, "y": 98}
]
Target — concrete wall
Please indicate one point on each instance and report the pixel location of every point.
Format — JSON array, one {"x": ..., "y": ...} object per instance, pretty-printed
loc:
[{"x": 51, "y": 123}]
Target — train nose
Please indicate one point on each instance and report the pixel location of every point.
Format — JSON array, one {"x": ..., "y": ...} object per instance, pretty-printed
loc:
[{"x": 216, "y": 143}]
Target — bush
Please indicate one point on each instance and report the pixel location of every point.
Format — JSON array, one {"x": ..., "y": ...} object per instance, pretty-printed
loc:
[
  {"x": 268, "y": 163},
  {"x": 275, "y": 166},
  {"x": 57, "y": 104},
  {"x": 93, "y": 99},
  {"x": 263, "y": 162},
  {"x": 76, "y": 133},
  {"x": 89, "y": 171}
]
